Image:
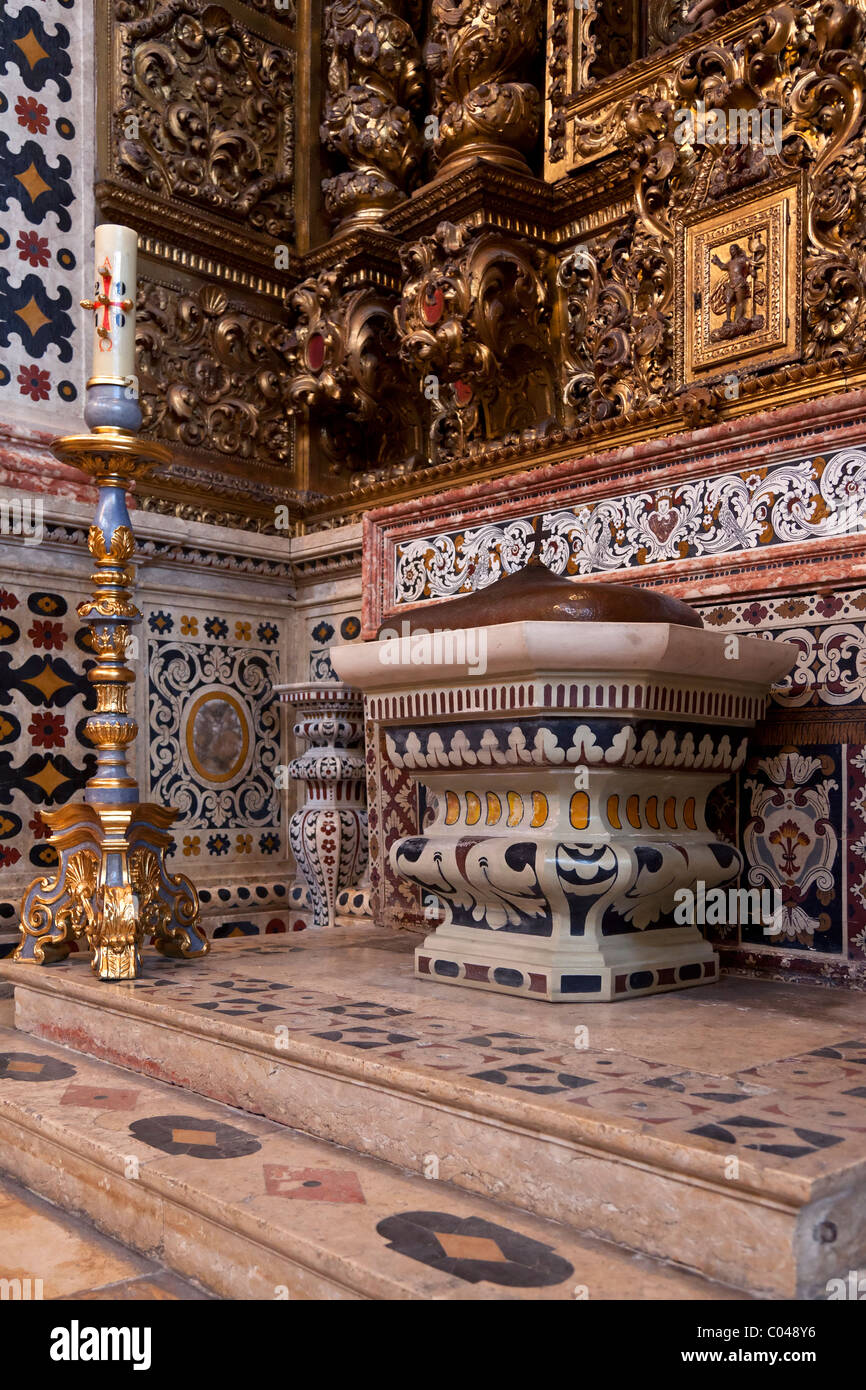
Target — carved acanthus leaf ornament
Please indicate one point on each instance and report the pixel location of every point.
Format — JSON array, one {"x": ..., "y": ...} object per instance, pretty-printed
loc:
[
  {"x": 344, "y": 368},
  {"x": 212, "y": 375},
  {"x": 474, "y": 326},
  {"x": 206, "y": 112},
  {"x": 374, "y": 84},
  {"x": 480, "y": 54}
]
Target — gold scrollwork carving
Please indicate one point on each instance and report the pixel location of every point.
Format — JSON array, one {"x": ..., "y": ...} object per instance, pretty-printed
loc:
[
  {"x": 480, "y": 54},
  {"x": 108, "y": 607},
  {"x": 801, "y": 69},
  {"x": 59, "y": 910},
  {"x": 475, "y": 317},
  {"x": 346, "y": 370},
  {"x": 374, "y": 87},
  {"x": 206, "y": 111},
  {"x": 212, "y": 375},
  {"x": 619, "y": 344}
]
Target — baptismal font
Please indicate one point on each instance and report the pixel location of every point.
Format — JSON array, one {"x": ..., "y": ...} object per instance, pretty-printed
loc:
[{"x": 567, "y": 753}]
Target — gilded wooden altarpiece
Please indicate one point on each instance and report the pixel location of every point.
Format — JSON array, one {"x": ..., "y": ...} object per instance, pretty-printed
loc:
[
  {"x": 390, "y": 248},
  {"x": 196, "y": 150}
]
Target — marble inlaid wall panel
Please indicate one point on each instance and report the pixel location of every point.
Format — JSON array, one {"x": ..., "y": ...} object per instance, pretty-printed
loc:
[
  {"x": 45, "y": 759},
  {"x": 331, "y": 628},
  {"x": 46, "y": 206},
  {"x": 817, "y": 497},
  {"x": 395, "y": 808},
  {"x": 215, "y": 738},
  {"x": 799, "y": 805}
]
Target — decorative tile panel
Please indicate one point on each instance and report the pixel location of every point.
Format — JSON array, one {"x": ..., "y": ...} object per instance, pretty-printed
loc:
[
  {"x": 45, "y": 758},
  {"x": 215, "y": 731},
  {"x": 209, "y": 734},
  {"x": 327, "y": 631},
  {"x": 45, "y": 179},
  {"x": 811, "y": 499}
]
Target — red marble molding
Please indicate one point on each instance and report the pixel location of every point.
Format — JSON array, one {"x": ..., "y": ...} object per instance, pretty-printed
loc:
[{"x": 27, "y": 465}]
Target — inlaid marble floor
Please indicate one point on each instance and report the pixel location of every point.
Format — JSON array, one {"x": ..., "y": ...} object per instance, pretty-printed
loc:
[{"x": 777, "y": 1070}]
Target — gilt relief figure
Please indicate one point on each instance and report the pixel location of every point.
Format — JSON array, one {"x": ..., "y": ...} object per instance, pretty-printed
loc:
[{"x": 739, "y": 290}]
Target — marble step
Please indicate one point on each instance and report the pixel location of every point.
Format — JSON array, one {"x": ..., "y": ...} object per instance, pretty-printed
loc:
[
  {"x": 722, "y": 1130},
  {"x": 8, "y": 942},
  {"x": 253, "y": 1210}
]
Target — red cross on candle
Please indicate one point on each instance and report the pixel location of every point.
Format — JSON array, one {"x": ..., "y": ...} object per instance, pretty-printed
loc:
[{"x": 104, "y": 302}]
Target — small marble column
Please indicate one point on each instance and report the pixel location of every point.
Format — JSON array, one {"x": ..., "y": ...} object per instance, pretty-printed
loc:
[{"x": 328, "y": 834}]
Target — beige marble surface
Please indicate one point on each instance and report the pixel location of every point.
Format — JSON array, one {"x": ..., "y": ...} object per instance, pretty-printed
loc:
[
  {"x": 734, "y": 1024},
  {"x": 71, "y": 1258},
  {"x": 715, "y": 1128},
  {"x": 289, "y": 1212},
  {"x": 644, "y": 1078},
  {"x": 529, "y": 649}
]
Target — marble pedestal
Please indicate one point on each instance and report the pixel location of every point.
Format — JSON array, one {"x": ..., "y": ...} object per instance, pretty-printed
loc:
[
  {"x": 566, "y": 785},
  {"x": 329, "y": 833}
]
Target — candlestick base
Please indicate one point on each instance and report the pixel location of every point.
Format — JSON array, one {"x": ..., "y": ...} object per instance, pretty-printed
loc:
[{"x": 112, "y": 888}]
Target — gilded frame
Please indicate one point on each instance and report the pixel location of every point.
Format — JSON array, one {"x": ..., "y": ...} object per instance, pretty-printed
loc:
[{"x": 707, "y": 345}]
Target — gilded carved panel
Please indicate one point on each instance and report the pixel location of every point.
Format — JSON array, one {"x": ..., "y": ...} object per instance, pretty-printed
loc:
[
  {"x": 203, "y": 109},
  {"x": 212, "y": 372},
  {"x": 739, "y": 279},
  {"x": 730, "y": 239},
  {"x": 484, "y": 313},
  {"x": 196, "y": 152}
]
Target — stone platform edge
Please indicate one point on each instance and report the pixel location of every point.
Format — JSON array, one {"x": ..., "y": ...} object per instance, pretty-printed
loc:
[{"x": 598, "y": 1136}]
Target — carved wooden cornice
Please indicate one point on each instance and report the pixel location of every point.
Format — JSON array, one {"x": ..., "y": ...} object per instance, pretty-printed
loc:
[
  {"x": 365, "y": 255},
  {"x": 791, "y": 385},
  {"x": 481, "y": 194},
  {"x": 196, "y": 242}
]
